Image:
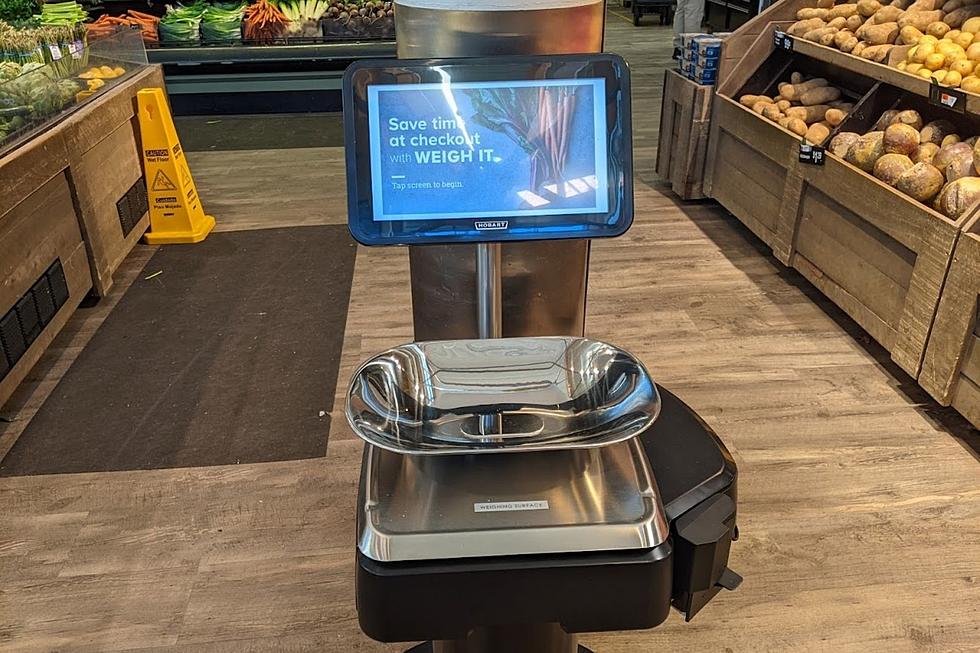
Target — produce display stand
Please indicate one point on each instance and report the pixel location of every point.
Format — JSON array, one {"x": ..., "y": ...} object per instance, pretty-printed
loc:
[
  {"x": 684, "y": 121},
  {"x": 106, "y": 175},
  {"x": 880, "y": 255},
  {"x": 73, "y": 206},
  {"x": 951, "y": 369},
  {"x": 41, "y": 251}
]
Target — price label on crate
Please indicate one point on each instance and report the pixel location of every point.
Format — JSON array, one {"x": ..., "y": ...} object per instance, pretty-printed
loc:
[
  {"x": 782, "y": 41},
  {"x": 812, "y": 154},
  {"x": 55, "y": 51},
  {"x": 948, "y": 98}
]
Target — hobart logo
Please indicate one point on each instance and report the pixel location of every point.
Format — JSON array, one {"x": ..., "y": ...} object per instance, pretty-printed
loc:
[{"x": 491, "y": 225}]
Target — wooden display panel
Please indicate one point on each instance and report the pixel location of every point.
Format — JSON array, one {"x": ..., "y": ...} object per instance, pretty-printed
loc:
[
  {"x": 951, "y": 367},
  {"x": 34, "y": 233},
  {"x": 103, "y": 154},
  {"x": 684, "y": 135}
]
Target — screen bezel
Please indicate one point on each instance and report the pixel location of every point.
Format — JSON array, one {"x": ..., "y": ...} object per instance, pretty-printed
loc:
[{"x": 616, "y": 220}]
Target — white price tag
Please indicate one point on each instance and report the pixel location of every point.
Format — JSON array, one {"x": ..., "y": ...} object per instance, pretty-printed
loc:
[
  {"x": 55, "y": 51},
  {"x": 75, "y": 48}
]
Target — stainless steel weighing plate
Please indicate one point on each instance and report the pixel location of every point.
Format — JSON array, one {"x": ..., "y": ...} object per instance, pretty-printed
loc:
[
  {"x": 501, "y": 395},
  {"x": 464, "y": 506}
]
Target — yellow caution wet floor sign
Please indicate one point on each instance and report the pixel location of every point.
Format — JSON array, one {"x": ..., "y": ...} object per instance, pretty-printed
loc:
[{"x": 176, "y": 215}]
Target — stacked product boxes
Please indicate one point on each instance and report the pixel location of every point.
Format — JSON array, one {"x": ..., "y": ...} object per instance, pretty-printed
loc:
[{"x": 700, "y": 54}]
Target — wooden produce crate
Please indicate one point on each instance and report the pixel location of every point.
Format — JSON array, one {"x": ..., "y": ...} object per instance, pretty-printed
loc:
[
  {"x": 44, "y": 271},
  {"x": 106, "y": 175},
  {"x": 684, "y": 120},
  {"x": 753, "y": 167},
  {"x": 951, "y": 367},
  {"x": 877, "y": 253}
]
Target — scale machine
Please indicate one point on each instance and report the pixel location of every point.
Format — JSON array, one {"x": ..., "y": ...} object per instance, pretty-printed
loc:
[{"x": 516, "y": 491}]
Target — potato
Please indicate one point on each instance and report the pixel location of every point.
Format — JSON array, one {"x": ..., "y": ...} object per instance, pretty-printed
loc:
[
  {"x": 834, "y": 117},
  {"x": 976, "y": 154},
  {"x": 772, "y": 112},
  {"x": 750, "y": 100},
  {"x": 883, "y": 34},
  {"x": 793, "y": 92},
  {"x": 809, "y": 114},
  {"x": 900, "y": 138},
  {"x": 952, "y": 79},
  {"x": 841, "y": 37},
  {"x": 960, "y": 166},
  {"x": 972, "y": 141},
  {"x": 820, "y": 95},
  {"x": 887, "y": 15},
  {"x": 859, "y": 48},
  {"x": 952, "y": 5},
  {"x": 925, "y": 153},
  {"x": 838, "y": 23},
  {"x": 921, "y": 20},
  {"x": 937, "y": 29},
  {"x": 825, "y": 4},
  {"x": 939, "y": 76},
  {"x": 901, "y": 4},
  {"x": 952, "y": 139},
  {"x": 842, "y": 142},
  {"x": 866, "y": 151},
  {"x": 850, "y": 44},
  {"x": 965, "y": 39},
  {"x": 909, "y": 35},
  {"x": 934, "y": 61},
  {"x": 810, "y": 12},
  {"x": 962, "y": 66},
  {"x": 890, "y": 167},
  {"x": 971, "y": 84},
  {"x": 922, "y": 182},
  {"x": 956, "y": 18},
  {"x": 828, "y": 37},
  {"x": 947, "y": 154},
  {"x": 925, "y": 73},
  {"x": 971, "y": 25},
  {"x": 959, "y": 196},
  {"x": 913, "y": 68},
  {"x": 877, "y": 53},
  {"x": 845, "y": 10},
  {"x": 867, "y": 8},
  {"x": 817, "y": 133},
  {"x": 936, "y": 131},
  {"x": 910, "y": 117},
  {"x": 796, "y": 126},
  {"x": 801, "y": 27},
  {"x": 855, "y": 22},
  {"x": 816, "y": 34},
  {"x": 783, "y": 105},
  {"x": 926, "y": 5}
]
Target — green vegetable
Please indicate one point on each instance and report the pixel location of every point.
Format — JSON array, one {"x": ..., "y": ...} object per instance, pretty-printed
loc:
[
  {"x": 62, "y": 13},
  {"x": 222, "y": 22},
  {"x": 182, "y": 24},
  {"x": 17, "y": 10}
]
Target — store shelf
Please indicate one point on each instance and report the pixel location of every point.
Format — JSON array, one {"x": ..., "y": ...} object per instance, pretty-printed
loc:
[
  {"x": 232, "y": 54},
  {"x": 880, "y": 72}
]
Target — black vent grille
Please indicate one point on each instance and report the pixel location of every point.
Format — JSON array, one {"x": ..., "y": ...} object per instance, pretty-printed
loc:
[
  {"x": 23, "y": 323},
  {"x": 132, "y": 206}
]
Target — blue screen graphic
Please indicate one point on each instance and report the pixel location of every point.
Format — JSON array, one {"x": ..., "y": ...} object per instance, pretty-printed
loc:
[{"x": 488, "y": 149}]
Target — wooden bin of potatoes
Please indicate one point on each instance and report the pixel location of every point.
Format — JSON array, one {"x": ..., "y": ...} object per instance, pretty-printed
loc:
[
  {"x": 106, "y": 173},
  {"x": 951, "y": 367},
  {"x": 753, "y": 165},
  {"x": 684, "y": 119},
  {"x": 870, "y": 246}
]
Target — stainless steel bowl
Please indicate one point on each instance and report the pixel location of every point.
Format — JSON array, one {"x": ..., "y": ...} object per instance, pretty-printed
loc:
[{"x": 501, "y": 395}]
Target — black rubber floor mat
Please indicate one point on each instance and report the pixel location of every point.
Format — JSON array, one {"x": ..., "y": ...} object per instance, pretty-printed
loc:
[{"x": 229, "y": 355}]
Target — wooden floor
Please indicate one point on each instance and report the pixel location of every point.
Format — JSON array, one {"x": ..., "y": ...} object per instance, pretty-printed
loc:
[{"x": 859, "y": 501}]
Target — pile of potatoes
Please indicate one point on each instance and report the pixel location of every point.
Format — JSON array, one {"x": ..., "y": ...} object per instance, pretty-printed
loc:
[
  {"x": 870, "y": 29},
  {"x": 929, "y": 163},
  {"x": 809, "y": 108},
  {"x": 948, "y": 56}
]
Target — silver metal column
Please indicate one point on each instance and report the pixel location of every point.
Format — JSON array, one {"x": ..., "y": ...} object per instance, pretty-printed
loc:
[
  {"x": 488, "y": 289},
  {"x": 543, "y": 286}
]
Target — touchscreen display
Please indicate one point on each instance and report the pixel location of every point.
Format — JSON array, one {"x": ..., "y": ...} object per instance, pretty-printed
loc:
[{"x": 489, "y": 149}]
